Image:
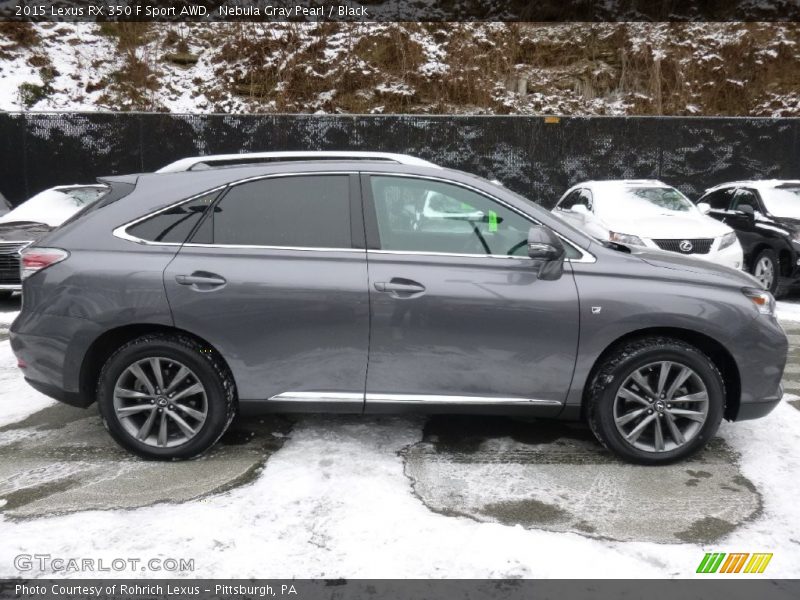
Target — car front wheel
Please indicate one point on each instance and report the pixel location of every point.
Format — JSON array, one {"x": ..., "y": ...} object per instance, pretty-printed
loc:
[
  {"x": 656, "y": 400},
  {"x": 166, "y": 397},
  {"x": 766, "y": 269}
]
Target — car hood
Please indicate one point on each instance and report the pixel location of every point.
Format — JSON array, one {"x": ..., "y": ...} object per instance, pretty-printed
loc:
[
  {"x": 668, "y": 226},
  {"x": 704, "y": 269},
  {"x": 21, "y": 231}
]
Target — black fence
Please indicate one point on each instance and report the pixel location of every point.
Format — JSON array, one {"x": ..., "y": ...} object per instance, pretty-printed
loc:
[{"x": 538, "y": 157}]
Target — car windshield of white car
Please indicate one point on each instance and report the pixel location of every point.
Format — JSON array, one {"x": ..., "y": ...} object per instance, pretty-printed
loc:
[
  {"x": 783, "y": 201},
  {"x": 52, "y": 207},
  {"x": 648, "y": 199}
]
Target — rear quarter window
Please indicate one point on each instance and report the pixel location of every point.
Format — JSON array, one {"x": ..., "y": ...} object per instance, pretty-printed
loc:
[{"x": 175, "y": 224}]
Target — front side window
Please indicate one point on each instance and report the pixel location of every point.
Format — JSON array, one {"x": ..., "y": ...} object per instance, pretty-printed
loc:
[
  {"x": 719, "y": 200},
  {"x": 745, "y": 198},
  {"x": 306, "y": 211},
  {"x": 418, "y": 215},
  {"x": 173, "y": 225}
]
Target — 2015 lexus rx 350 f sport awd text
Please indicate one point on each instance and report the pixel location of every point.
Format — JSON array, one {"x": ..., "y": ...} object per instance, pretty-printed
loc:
[{"x": 377, "y": 283}]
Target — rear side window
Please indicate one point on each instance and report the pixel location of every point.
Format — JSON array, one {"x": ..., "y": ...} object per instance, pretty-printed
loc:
[
  {"x": 308, "y": 211},
  {"x": 173, "y": 226}
]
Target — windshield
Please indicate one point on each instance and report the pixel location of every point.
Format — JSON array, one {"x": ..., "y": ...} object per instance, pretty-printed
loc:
[
  {"x": 657, "y": 200},
  {"x": 782, "y": 201},
  {"x": 53, "y": 207}
]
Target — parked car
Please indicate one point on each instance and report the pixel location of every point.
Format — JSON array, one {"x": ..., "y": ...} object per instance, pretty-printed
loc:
[
  {"x": 5, "y": 205},
  {"x": 183, "y": 297},
  {"x": 31, "y": 220},
  {"x": 766, "y": 217},
  {"x": 650, "y": 214}
]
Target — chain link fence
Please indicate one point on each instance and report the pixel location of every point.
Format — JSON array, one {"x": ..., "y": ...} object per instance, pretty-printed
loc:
[{"x": 538, "y": 157}]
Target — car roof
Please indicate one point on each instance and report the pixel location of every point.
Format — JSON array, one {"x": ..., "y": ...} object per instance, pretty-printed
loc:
[
  {"x": 616, "y": 184},
  {"x": 759, "y": 184},
  {"x": 215, "y": 161}
]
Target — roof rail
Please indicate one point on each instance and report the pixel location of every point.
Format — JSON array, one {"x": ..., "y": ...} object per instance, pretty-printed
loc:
[{"x": 197, "y": 163}]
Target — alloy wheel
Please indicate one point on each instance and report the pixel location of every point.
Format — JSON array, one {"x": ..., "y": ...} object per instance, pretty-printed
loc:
[
  {"x": 661, "y": 406},
  {"x": 160, "y": 402},
  {"x": 765, "y": 272}
]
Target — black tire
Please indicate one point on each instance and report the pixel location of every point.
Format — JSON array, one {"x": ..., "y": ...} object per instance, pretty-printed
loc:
[
  {"x": 777, "y": 288},
  {"x": 210, "y": 370},
  {"x": 621, "y": 363}
]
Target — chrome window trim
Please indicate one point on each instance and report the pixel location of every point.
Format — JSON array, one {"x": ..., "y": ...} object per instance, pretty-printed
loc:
[
  {"x": 11, "y": 287},
  {"x": 586, "y": 257},
  {"x": 121, "y": 231},
  {"x": 446, "y": 399}
]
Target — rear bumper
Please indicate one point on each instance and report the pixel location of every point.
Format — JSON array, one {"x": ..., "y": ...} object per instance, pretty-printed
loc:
[
  {"x": 54, "y": 354},
  {"x": 56, "y": 393}
]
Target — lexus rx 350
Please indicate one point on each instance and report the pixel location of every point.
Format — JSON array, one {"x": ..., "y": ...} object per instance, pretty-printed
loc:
[{"x": 319, "y": 282}]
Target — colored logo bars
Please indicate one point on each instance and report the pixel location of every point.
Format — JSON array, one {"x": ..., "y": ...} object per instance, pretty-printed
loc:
[{"x": 737, "y": 562}]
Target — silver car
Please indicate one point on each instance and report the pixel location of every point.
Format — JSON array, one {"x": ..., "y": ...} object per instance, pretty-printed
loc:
[{"x": 312, "y": 282}]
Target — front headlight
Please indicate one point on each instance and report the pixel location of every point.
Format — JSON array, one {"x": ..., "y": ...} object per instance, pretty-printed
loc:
[
  {"x": 763, "y": 300},
  {"x": 727, "y": 240},
  {"x": 625, "y": 238}
]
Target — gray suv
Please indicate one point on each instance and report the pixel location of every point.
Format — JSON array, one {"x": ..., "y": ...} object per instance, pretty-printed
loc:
[{"x": 377, "y": 283}]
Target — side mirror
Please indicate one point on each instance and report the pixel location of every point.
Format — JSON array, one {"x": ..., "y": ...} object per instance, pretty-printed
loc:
[
  {"x": 704, "y": 207},
  {"x": 746, "y": 210},
  {"x": 547, "y": 252}
]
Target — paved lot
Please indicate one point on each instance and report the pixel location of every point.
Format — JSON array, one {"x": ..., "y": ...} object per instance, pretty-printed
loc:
[{"x": 539, "y": 475}]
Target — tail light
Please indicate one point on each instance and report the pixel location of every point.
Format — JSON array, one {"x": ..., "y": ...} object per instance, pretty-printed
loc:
[{"x": 34, "y": 260}]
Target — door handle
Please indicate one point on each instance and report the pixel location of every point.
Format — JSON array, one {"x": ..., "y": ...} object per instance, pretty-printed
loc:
[
  {"x": 206, "y": 280},
  {"x": 400, "y": 288}
]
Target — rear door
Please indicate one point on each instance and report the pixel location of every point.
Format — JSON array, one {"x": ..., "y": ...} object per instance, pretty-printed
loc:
[
  {"x": 275, "y": 277},
  {"x": 459, "y": 317}
]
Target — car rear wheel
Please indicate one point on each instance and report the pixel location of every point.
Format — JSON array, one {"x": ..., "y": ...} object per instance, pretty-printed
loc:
[
  {"x": 656, "y": 400},
  {"x": 166, "y": 397}
]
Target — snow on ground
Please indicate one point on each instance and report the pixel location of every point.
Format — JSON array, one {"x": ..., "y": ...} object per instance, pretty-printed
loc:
[
  {"x": 335, "y": 502},
  {"x": 788, "y": 311}
]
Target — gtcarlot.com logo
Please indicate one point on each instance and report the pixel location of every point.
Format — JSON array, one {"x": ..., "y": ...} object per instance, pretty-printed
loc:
[
  {"x": 47, "y": 563},
  {"x": 735, "y": 562}
]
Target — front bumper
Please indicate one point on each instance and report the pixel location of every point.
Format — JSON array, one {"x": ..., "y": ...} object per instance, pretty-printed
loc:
[
  {"x": 760, "y": 354},
  {"x": 756, "y": 410}
]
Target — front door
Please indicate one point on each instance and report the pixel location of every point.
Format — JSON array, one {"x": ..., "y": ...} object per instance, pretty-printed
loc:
[
  {"x": 274, "y": 278},
  {"x": 458, "y": 314}
]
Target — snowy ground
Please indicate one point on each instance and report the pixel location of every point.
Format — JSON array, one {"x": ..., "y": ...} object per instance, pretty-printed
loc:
[{"x": 343, "y": 497}]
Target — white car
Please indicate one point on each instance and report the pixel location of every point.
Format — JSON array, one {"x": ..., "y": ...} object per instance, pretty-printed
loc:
[
  {"x": 650, "y": 214},
  {"x": 34, "y": 218}
]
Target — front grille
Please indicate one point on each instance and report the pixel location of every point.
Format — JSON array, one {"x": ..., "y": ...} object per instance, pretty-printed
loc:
[
  {"x": 9, "y": 262},
  {"x": 698, "y": 246}
]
